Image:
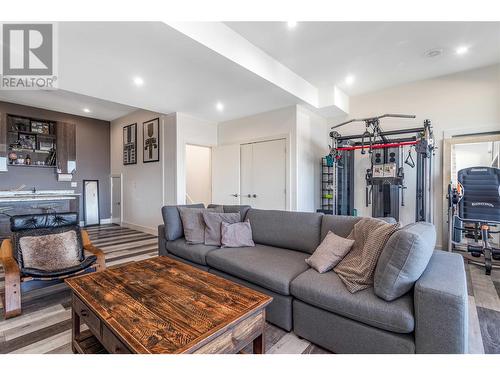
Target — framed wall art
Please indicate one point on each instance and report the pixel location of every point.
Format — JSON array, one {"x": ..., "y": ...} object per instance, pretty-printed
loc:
[
  {"x": 130, "y": 144},
  {"x": 151, "y": 141}
]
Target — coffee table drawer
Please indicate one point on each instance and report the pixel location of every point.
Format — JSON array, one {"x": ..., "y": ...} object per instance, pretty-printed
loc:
[
  {"x": 112, "y": 343},
  {"x": 87, "y": 316}
]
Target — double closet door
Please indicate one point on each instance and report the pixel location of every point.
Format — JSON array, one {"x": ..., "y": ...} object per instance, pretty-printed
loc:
[{"x": 263, "y": 174}]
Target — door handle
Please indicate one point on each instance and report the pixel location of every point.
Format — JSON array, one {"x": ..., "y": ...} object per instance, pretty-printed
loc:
[
  {"x": 255, "y": 195},
  {"x": 249, "y": 195},
  {"x": 235, "y": 195}
]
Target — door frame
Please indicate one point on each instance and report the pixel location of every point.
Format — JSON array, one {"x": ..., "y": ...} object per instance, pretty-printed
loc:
[
  {"x": 120, "y": 176},
  {"x": 85, "y": 206},
  {"x": 288, "y": 181}
]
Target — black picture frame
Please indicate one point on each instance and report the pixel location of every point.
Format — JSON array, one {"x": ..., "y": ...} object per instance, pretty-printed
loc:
[
  {"x": 130, "y": 144},
  {"x": 151, "y": 141}
]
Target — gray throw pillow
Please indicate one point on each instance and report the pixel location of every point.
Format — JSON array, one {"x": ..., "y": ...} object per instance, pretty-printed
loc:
[
  {"x": 50, "y": 252},
  {"x": 330, "y": 252},
  {"x": 237, "y": 235},
  {"x": 213, "y": 221},
  {"x": 404, "y": 259},
  {"x": 193, "y": 223}
]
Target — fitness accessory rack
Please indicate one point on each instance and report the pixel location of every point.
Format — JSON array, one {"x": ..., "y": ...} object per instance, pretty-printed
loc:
[{"x": 385, "y": 179}]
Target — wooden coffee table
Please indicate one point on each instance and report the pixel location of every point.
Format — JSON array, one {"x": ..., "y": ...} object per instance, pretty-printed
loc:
[{"x": 160, "y": 305}]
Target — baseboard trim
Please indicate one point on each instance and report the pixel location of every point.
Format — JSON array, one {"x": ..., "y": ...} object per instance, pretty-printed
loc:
[
  {"x": 140, "y": 228},
  {"x": 102, "y": 221}
]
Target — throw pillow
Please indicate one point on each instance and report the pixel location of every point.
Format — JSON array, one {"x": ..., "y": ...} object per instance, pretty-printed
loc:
[
  {"x": 213, "y": 221},
  {"x": 404, "y": 259},
  {"x": 237, "y": 234},
  {"x": 370, "y": 236},
  {"x": 330, "y": 252},
  {"x": 193, "y": 223},
  {"x": 50, "y": 252}
]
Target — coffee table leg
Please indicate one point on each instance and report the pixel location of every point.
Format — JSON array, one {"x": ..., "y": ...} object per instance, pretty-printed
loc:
[
  {"x": 75, "y": 329},
  {"x": 258, "y": 345}
]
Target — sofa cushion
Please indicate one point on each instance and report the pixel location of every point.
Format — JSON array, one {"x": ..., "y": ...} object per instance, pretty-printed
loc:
[
  {"x": 404, "y": 259},
  {"x": 193, "y": 223},
  {"x": 327, "y": 291},
  {"x": 232, "y": 208},
  {"x": 341, "y": 225},
  {"x": 290, "y": 230},
  {"x": 270, "y": 267},
  {"x": 213, "y": 221},
  {"x": 194, "y": 253},
  {"x": 172, "y": 220}
]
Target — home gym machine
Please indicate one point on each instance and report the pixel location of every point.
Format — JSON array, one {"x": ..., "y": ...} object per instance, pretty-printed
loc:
[
  {"x": 385, "y": 182},
  {"x": 474, "y": 215}
]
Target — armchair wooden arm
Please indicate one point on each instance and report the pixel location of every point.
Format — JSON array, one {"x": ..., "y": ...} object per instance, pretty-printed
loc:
[
  {"x": 12, "y": 296},
  {"x": 87, "y": 245}
]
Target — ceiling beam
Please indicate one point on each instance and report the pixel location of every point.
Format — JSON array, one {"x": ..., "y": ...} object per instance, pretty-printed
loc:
[{"x": 231, "y": 45}]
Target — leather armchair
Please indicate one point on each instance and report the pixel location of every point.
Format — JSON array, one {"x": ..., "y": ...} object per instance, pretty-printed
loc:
[{"x": 91, "y": 258}]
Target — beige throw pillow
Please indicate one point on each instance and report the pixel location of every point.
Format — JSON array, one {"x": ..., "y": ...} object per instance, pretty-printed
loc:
[
  {"x": 330, "y": 252},
  {"x": 358, "y": 266}
]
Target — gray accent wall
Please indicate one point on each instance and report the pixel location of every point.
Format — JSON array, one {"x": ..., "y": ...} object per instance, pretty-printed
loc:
[{"x": 92, "y": 155}]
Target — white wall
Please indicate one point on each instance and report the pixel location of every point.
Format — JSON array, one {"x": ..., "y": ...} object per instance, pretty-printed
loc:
[
  {"x": 198, "y": 174},
  {"x": 472, "y": 155},
  {"x": 142, "y": 182},
  {"x": 306, "y": 137},
  {"x": 312, "y": 145},
  {"x": 462, "y": 103},
  {"x": 194, "y": 131}
]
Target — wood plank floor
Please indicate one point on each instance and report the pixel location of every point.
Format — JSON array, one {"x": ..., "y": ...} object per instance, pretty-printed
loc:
[{"x": 45, "y": 324}]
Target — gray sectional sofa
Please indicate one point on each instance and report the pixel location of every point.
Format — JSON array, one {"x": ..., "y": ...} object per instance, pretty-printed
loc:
[{"x": 430, "y": 318}]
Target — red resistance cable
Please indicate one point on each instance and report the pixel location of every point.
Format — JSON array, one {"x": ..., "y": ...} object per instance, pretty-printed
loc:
[{"x": 384, "y": 145}]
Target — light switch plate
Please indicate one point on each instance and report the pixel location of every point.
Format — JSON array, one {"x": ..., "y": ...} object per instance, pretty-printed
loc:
[{"x": 74, "y": 184}]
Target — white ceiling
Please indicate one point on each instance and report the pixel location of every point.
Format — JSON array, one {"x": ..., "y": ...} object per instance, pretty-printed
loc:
[
  {"x": 98, "y": 61},
  {"x": 378, "y": 54},
  {"x": 67, "y": 102}
]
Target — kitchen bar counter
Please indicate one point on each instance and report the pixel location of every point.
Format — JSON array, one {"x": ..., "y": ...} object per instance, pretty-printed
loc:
[
  {"x": 42, "y": 195},
  {"x": 26, "y": 202}
]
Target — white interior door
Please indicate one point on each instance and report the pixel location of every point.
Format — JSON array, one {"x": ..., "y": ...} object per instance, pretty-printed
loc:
[
  {"x": 246, "y": 174},
  {"x": 226, "y": 174},
  {"x": 263, "y": 174}
]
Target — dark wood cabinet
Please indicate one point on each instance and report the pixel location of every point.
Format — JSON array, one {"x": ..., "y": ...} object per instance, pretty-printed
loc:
[{"x": 66, "y": 147}]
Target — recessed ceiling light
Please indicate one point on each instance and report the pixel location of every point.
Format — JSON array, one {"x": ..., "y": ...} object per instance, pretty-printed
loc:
[
  {"x": 462, "y": 50},
  {"x": 86, "y": 110},
  {"x": 219, "y": 106},
  {"x": 291, "y": 24},
  {"x": 138, "y": 81},
  {"x": 350, "y": 79}
]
